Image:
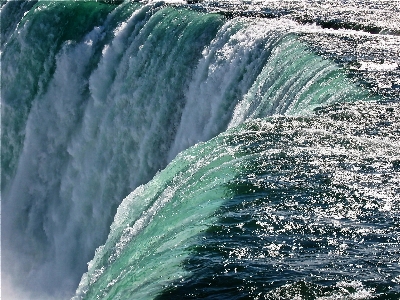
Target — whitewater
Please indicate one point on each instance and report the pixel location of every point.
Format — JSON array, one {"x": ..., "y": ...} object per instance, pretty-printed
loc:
[{"x": 202, "y": 150}]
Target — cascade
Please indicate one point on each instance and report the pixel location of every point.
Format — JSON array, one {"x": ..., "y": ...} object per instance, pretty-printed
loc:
[{"x": 138, "y": 129}]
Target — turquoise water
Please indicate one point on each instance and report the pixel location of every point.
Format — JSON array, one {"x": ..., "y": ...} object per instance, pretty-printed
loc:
[
  {"x": 274, "y": 209},
  {"x": 204, "y": 154}
]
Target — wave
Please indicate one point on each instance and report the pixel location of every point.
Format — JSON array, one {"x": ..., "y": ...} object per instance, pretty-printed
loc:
[{"x": 275, "y": 207}]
